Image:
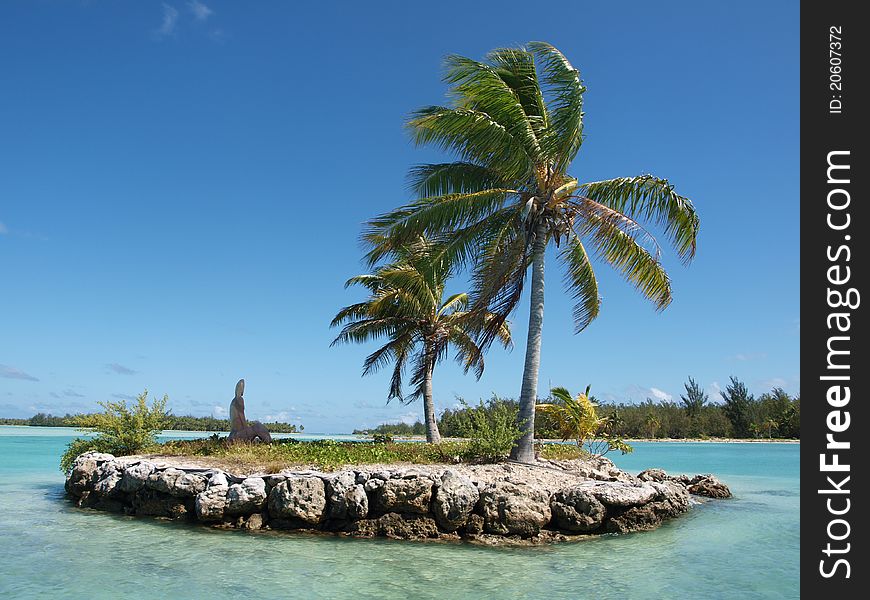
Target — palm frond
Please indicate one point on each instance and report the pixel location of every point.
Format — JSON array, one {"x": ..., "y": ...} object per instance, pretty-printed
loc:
[
  {"x": 474, "y": 136},
  {"x": 581, "y": 283},
  {"x": 454, "y": 303},
  {"x": 654, "y": 199},
  {"x": 479, "y": 87},
  {"x": 565, "y": 105},
  {"x": 434, "y": 216},
  {"x": 442, "y": 179},
  {"x": 516, "y": 66},
  {"x": 620, "y": 249}
]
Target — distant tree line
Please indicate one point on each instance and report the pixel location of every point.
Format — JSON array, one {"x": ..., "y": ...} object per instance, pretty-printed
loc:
[
  {"x": 737, "y": 414},
  {"x": 175, "y": 423}
]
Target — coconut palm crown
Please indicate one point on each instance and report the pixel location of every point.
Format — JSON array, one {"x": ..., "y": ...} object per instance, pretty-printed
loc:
[
  {"x": 406, "y": 307},
  {"x": 514, "y": 125}
]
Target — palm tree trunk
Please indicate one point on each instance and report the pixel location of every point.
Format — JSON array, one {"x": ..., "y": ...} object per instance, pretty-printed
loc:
[
  {"x": 433, "y": 436},
  {"x": 524, "y": 447}
]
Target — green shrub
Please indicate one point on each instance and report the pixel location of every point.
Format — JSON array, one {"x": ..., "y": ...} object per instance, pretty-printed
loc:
[
  {"x": 121, "y": 430},
  {"x": 491, "y": 429}
]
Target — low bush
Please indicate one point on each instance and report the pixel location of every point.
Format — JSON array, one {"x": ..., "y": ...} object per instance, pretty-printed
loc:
[
  {"x": 121, "y": 430},
  {"x": 491, "y": 429}
]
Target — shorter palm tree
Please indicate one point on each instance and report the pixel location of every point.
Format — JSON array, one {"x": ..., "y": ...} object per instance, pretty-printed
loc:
[
  {"x": 653, "y": 424},
  {"x": 575, "y": 417},
  {"x": 406, "y": 306}
]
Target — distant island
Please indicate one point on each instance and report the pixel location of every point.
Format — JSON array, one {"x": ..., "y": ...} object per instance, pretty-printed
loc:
[
  {"x": 773, "y": 415},
  {"x": 173, "y": 423}
]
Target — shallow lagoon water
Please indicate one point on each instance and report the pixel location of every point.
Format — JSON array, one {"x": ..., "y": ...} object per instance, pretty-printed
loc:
[{"x": 746, "y": 547}]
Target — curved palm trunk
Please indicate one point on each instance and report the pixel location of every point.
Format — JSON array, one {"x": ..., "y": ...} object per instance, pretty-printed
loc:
[
  {"x": 433, "y": 436},
  {"x": 524, "y": 448}
]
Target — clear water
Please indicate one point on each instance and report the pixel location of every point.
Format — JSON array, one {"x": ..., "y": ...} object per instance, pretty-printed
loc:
[{"x": 742, "y": 548}]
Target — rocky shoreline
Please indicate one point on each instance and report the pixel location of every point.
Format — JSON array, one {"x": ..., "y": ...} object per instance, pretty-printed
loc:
[{"x": 507, "y": 503}]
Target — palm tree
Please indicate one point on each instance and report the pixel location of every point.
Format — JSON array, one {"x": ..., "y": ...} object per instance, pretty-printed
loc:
[
  {"x": 574, "y": 417},
  {"x": 515, "y": 126},
  {"x": 406, "y": 306},
  {"x": 652, "y": 424}
]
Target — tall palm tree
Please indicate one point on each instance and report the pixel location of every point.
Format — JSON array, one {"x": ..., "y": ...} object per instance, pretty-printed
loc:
[
  {"x": 515, "y": 126},
  {"x": 406, "y": 306}
]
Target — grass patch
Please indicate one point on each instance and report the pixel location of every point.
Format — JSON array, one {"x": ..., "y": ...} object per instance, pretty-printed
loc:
[{"x": 330, "y": 455}]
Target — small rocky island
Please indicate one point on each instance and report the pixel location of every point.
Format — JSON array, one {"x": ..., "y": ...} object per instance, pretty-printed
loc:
[{"x": 506, "y": 503}]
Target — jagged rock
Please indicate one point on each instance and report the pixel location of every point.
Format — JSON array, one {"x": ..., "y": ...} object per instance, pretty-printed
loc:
[
  {"x": 653, "y": 475},
  {"x": 397, "y": 526},
  {"x": 405, "y": 495},
  {"x": 108, "y": 478},
  {"x": 302, "y": 498},
  {"x": 211, "y": 504},
  {"x": 163, "y": 481},
  {"x": 474, "y": 524},
  {"x": 577, "y": 509},
  {"x": 218, "y": 480},
  {"x": 514, "y": 508},
  {"x": 674, "y": 494},
  {"x": 255, "y": 522},
  {"x": 373, "y": 484},
  {"x": 246, "y": 497},
  {"x": 709, "y": 486},
  {"x": 84, "y": 472},
  {"x": 150, "y": 502},
  {"x": 617, "y": 493},
  {"x": 347, "y": 499},
  {"x": 671, "y": 499},
  {"x": 134, "y": 477},
  {"x": 188, "y": 484},
  {"x": 362, "y": 477},
  {"x": 599, "y": 468},
  {"x": 454, "y": 500}
]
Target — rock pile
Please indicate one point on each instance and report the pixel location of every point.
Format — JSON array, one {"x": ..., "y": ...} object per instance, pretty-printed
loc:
[{"x": 572, "y": 498}]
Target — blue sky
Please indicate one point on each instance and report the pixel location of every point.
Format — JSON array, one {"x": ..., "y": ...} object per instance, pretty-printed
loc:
[{"x": 182, "y": 187}]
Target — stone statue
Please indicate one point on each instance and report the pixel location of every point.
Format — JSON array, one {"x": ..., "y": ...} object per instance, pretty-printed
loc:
[{"x": 240, "y": 429}]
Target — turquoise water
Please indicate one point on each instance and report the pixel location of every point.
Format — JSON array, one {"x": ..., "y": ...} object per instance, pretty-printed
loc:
[{"x": 741, "y": 548}]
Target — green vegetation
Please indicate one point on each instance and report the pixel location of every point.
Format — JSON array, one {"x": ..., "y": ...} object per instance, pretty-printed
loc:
[
  {"x": 121, "y": 430},
  {"x": 737, "y": 401},
  {"x": 771, "y": 415},
  {"x": 407, "y": 307},
  {"x": 514, "y": 128},
  {"x": 173, "y": 423},
  {"x": 331, "y": 454},
  {"x": 575, "y": 418},
  {"x": 491, "y": 428}
]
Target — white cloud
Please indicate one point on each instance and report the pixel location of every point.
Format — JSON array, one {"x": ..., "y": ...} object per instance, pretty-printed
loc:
[
  {"x": 200, "y": 11},
  {"x": 170, "y": 20},
  {"x": 743, "y": 357},
  {"x": 219, "y": 411},
  {"x": 714, "y": 390},
  {"x": 3, "y": 229},
  {"x": 408, "y": 418},
  {"x": 281, "y": 417},
  {"x": 660, "y": 395}
]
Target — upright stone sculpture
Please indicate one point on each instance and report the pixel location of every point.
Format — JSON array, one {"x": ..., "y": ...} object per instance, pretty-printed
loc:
[{"x": 240, "y": 429}]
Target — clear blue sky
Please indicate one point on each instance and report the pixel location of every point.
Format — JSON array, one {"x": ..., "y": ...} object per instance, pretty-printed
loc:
[{"x": 182, "y": 186}]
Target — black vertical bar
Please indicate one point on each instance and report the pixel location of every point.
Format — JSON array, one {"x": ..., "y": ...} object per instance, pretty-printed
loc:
[{"x": 835, "y": 225}]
